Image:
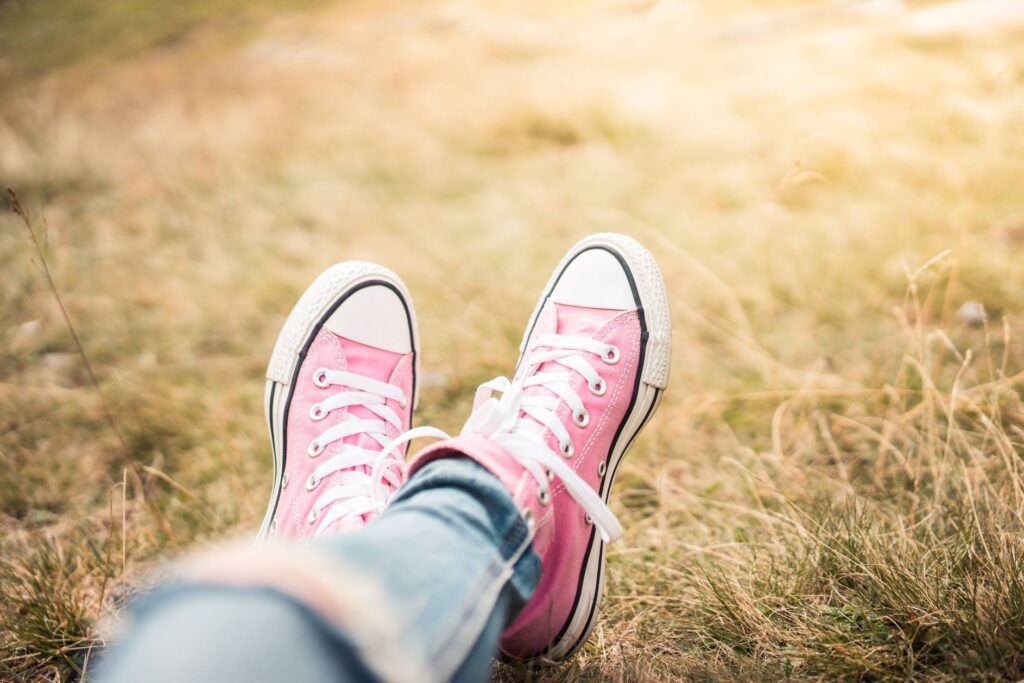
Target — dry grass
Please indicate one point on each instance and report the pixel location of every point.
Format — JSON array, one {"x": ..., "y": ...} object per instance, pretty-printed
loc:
[{"x": 833, "y": 486}]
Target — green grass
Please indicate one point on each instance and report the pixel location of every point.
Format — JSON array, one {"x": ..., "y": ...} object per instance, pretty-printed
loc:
[
  {"x": 832, "y": 487},
  {"x": 38, "y": 36}
]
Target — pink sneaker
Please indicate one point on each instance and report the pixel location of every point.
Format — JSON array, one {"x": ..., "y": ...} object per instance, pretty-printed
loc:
[
  {"x": 341, "y": 387},
  {"x": 593, "y": 365}
]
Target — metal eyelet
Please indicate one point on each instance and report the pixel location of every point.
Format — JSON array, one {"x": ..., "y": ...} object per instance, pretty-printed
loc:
[
  {"x": 568, "y": 449},
  {"x": 312, "y": 482},
  {"x": 598, "y": 388},
  {"x": 611, "y": 356},
  {"x": 544, "y": 497},
  {"x": 581, "y": 420},
  {"x": 551, "y": 475},
  {"x": 588, "y": 519},
  {"x": 284, "y": 480},
  {"x": 602, "y": 468},
  {"x": 530, "y": 521},
  {"x": 314, "y": 514},
  {"x": 320, "y": 378},
  {"x": 315, "y": 448},
  {"x": 316, "y": 413}
]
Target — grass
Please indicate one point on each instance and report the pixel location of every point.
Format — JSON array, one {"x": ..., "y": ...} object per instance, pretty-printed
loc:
[
  {"x": 42, "y": 35},
  {"x": 833, "y": 486}
]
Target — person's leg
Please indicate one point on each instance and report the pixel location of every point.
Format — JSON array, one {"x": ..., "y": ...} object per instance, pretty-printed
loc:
[
  {"x": 420, "y": 595},
  {"x": 423, "y": 593},
  {"x": 453, "y": 556},
  {"x": 213, "y": 633},
  {"x": 594, "y": 364}
]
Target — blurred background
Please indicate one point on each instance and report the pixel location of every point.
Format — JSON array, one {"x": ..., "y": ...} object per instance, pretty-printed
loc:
[{"x": 834, "y": 190}]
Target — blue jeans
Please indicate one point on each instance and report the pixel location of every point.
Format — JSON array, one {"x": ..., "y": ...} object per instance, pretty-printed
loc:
[{"x": 422, "y": 593}]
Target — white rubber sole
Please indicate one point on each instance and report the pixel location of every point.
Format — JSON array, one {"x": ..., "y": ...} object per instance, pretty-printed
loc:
[
  {"x": 315, "y": 305},
  {"x": 649, "y": 286}
]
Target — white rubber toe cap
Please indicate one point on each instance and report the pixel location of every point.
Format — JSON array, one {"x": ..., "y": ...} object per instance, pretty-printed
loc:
[
  {"x": 592, "y": 275},
  {"x": 595, "y": 279},
  {"x": 375, "y": 316}
]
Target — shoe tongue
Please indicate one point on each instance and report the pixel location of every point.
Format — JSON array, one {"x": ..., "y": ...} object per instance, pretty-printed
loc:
[
  {"x": 368, "y": 361},
  {"x": 375, "y": 363},
  {"x": 572, "y": 321},
  {"x": 575, "y": 321},
  {"x": 580, "y": 321},
  {"x": 372, "y": 362}
]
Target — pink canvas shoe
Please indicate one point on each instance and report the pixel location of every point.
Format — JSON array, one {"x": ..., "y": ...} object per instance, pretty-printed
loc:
[
  {"x": 594, "y": 363},
  {"x": 341, "y": 387}
]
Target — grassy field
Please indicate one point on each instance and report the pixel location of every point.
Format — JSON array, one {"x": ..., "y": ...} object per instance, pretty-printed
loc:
[{"x": 833, "y": 487}]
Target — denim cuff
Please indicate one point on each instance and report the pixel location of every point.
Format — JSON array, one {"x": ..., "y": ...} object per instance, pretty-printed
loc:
[{"x": 350, "y": 605}]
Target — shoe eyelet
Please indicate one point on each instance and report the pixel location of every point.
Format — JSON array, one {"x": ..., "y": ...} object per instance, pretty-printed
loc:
[
  {"x": 316, "y": 413},
  {"x": 589, "y": 520},
  {"x": 284, "y": 480},
  {"x": 529, "y": 517},
  {"x": 544, "y": 496},
  {"x": 598, "y": 388},
  {"x": 602, "y": 468},
  {"x": 312, "y": 482},
  {"x": 314, "y": 514},
  {"x": 551, "y": 475},
  {"x": 404, "y": 403},
  {"x": 581, "y": 420},
  {"x": 568, "y": 449},
  {"x": 320, "y": 378},
  {"x": 315, "y": 448},
  {"x": 611, "y": 356}
]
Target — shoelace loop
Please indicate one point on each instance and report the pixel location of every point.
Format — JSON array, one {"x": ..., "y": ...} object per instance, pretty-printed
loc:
[
  {"x": 501, "y": 420},
  {"x": 504, "y": 420},
  {"x": 354, "y": 493}
]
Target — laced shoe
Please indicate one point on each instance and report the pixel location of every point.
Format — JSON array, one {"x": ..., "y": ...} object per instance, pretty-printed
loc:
[
  {"x": 341, "y": 389},
  {"x": 593, "y": 365}
]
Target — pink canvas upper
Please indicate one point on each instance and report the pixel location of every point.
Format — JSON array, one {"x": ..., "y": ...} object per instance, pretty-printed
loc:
[
  {"x": 562, "y": 531},
  {"x": 332, "y": 352}
]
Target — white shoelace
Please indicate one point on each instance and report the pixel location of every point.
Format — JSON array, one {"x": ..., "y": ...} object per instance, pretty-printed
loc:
[
  {"x": 506, "y": 421},
  {"x": 354, "y": 492}
]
